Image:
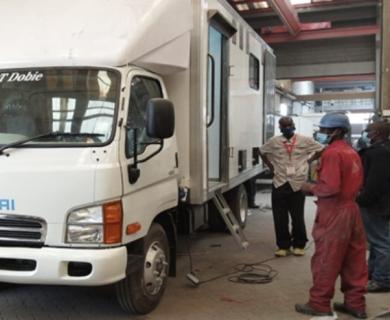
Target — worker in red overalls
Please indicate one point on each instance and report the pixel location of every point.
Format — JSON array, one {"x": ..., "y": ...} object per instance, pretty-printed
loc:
[{"x": 338, "y": 232}]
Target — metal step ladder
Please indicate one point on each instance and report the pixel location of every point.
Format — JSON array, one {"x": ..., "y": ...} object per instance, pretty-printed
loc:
[{"x": 231, "y": 222}]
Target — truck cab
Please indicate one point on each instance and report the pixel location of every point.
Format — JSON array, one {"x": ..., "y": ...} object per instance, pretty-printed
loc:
[{"x": 69, "y": 199}]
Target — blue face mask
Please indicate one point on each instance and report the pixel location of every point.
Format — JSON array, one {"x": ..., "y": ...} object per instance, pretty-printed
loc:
[
  {"x": 366, "y": 141},
  {"x": 287, "y": 132},
  {"x": 323, "y": 138}
]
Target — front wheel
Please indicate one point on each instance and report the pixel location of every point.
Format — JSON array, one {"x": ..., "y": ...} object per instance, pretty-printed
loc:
[{"x": 141, "y": 291}]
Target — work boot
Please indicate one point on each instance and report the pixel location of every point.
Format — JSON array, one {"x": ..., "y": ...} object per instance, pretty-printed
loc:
[
  {"x": 305, "y": 308},
  {"x": 341, "y": 307},
  {"x": 253, "y": 206},
  {"x": 299, "y": 252},
  {"x": 281, "y": 253},
  {"x": 374, "y": 287}
]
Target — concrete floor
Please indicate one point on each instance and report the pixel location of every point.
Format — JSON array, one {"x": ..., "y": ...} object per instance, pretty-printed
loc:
[{"x": 213, "y": 254}]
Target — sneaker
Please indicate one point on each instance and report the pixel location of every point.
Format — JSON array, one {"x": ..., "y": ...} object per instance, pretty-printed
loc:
[
  {"x": 341, "y": 307},
  {"x": 281, "y": 253},
  {"x": 253, "y": 206},
  {"x": 374, "y": 286},
  {"x": 299, "y": 252},
  {"x": 305, "y": 308}
]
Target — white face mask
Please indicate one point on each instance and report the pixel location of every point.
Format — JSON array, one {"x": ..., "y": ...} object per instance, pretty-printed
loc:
[
  {"x": 323, "y": 138},
  {"x": 326, "y": 138}
]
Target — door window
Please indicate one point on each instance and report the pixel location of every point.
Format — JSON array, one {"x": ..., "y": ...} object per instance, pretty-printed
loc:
[
  {"x": 142, "y": 90},
  {"x": 254, "y": 72},
  {"x": 215, "y": 102}
]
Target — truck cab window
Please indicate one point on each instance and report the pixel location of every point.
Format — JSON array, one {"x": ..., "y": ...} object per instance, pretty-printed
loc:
[
  {"x": 142, "y": 90},
  {"x": 78, "y": 104}
]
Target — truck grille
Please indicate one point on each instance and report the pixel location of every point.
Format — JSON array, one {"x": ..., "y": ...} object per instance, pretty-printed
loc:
[{"x": 22, "y": 231}]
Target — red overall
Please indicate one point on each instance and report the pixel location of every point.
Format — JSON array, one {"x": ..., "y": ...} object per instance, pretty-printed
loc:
[{"x": 340, "y": 241}]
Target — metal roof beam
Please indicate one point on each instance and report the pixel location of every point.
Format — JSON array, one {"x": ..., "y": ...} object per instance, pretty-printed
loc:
[
  {"x": 342, "y": 5},
  {"x": 287, "y": 14},
  {"x": 323, "y": 34},
  {"x": 357, "y": 15},
  {"x": 346, "y": 95},
  {"x": 260, "y": 13},
  {"x": 341, "y": 78},
  {"x": 341, "y": 14},
  {"x": 304, "y": 27},
  {"x": 325, "y": 69}
]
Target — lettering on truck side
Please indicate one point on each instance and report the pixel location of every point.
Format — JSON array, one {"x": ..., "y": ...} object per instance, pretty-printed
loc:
[
  {"x": 7, "y": 204},
  {"x": 21, "y": 77}
]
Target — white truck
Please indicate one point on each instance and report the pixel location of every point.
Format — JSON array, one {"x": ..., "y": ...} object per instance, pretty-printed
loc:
[{"x": 98, "y": 169}]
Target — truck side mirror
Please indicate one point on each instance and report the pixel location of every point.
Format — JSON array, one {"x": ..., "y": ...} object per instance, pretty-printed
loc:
[
  {"x": 160, "y": 124},
  {"x": 160, "y": 118}
]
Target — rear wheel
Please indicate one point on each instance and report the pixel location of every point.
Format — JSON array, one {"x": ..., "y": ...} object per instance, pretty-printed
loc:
[
  {"x": 237, "y": 199},
  {"x": 141, "y": 291}
]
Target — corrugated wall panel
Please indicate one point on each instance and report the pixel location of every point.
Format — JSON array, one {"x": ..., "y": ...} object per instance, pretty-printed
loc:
[{"x": 325, "y": 51}]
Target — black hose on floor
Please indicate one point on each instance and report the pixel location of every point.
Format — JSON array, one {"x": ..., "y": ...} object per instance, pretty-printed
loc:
[
  {"x": 254, "y": 273},
  {"x": 259, "y": 273}
]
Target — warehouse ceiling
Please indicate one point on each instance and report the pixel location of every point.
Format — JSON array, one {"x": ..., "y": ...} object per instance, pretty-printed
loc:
[
  {"x": 340, "y": 35},
  {"x": 334, "y": 43},
  {"x": 294, "y": 20}
]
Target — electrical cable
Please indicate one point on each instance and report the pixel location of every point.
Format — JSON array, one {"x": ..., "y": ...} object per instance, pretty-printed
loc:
[
  {"x": 253, "y": 273},
  {"x": 258, "y": 273},
  {"x": 245, "y": 273},
  {"x": 189, "y": 255}
]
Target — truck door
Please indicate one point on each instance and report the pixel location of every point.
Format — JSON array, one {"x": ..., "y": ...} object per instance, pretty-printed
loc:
[
  {"x": 156, "y": 188},
  {"x": 217, "y": 96}
]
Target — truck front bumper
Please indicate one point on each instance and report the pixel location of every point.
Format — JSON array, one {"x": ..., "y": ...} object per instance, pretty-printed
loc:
[{"x": 52, "y": 265}]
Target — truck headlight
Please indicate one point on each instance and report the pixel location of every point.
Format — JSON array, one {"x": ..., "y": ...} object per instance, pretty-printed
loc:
[
  {"x": 99, "y": 224},
  {"x": 85, "y": 233}
]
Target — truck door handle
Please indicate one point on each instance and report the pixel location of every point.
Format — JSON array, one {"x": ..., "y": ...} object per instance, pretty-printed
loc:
[{"x": 212, "y": 60}]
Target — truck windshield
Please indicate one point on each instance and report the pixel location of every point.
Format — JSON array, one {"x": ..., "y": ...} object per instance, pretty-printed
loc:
[{"x": 79, "y": 105}]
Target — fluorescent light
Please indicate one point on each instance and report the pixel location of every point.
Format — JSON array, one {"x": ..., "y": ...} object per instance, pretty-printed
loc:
[
  {"x": 242, "y": 7},
  {"x": 283, "y": 109},
  {"x": 295, "y": 2},
  {"x": 260, "y": 5}
]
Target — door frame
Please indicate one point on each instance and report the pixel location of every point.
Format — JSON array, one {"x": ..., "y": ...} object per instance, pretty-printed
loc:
[{"x": 221, "y": 25}]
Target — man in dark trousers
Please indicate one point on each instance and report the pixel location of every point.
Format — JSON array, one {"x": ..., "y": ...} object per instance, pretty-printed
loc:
[
  {"x": 374, "y": 201},
  {"x": 287, "y": 157},
  {"x": 338, "y": 232}
]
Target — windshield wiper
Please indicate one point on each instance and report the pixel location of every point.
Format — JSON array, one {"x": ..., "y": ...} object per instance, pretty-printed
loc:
[{"x": 46, "y": 135}]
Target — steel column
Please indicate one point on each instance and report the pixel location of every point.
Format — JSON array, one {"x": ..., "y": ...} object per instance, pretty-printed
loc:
[{"x": 385, "y": 61}]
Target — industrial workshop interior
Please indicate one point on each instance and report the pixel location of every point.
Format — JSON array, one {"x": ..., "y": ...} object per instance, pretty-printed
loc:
[{"x": 195, "y": 159}]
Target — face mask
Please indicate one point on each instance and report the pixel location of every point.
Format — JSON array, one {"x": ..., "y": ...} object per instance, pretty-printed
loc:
[
  {"x": 365, "y": 139},
  {"x": 287, "y": 132},
  {"x": 323, "y": 138}
]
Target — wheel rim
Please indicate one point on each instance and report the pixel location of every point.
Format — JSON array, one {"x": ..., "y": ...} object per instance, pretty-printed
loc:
[
  {"x": 243, "y": 207},
  {"x": 155, "y": 269}
]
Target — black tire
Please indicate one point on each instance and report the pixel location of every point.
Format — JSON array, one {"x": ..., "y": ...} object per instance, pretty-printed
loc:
[
  {"x": 5, "y": 285},
  {"x": 141, "y": 291},
  {"x": 237, "y": 199}
]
